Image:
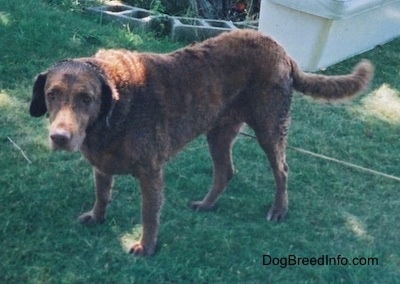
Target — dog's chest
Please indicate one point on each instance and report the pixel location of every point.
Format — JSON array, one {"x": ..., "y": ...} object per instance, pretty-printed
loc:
[{"x": 114, "y": 158}]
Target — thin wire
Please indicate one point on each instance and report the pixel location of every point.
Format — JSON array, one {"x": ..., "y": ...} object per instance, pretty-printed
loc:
[
  {"x": 334, "y": 160},
  {"x": 19, "y": 148}
]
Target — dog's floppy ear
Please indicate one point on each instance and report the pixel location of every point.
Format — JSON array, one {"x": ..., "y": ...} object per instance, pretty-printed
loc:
[
  {"x": 107, "y": 102},
  {"x": 38, "y": 103},
  {"x": 109, "y": 94}
]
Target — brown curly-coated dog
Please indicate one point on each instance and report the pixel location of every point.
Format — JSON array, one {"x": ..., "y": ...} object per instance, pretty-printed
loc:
[{"x": 129, "y": 112}]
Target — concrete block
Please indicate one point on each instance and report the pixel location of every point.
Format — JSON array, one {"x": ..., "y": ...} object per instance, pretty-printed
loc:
[
  {"x": 195, "y": 29},
  {"x": 181, "y": 28},
  {"x": 125, "y": 14}
]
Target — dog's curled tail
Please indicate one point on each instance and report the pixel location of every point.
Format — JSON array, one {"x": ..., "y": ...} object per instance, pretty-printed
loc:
[{"x": 333, "y": 88}]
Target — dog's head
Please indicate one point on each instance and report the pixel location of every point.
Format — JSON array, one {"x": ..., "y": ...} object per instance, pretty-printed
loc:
[{"x": 75, "y": 94}]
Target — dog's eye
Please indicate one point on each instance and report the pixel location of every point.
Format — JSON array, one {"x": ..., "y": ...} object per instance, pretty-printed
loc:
[
  {"x": 85, "y": 98},
  {"x": 51, "y": 96}
]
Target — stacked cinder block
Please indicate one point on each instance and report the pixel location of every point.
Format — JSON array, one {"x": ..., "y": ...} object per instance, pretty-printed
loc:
[
  {"x": 181, "y": 28},
  {"x": 125, "y": 14},
  {"x": 198, "y": 29}
]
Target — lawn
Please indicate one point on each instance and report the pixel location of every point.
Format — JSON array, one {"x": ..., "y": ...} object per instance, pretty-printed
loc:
[{"x": 336, "y": 212}]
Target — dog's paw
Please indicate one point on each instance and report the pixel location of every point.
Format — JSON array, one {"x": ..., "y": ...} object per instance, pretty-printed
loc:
[
  {"x": 200, "y": 206},
  {"x": 139, "y": 250},
  {"x": 277, "y": 213},
  {"x": 89, "y": 218}
]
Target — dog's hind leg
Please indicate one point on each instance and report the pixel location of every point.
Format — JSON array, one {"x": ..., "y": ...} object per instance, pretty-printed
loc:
[
  {"x": 103, "y": 185},
  {"x": 274, "y": 147},
  {"x": 270, "y": 121},
  {"x": 271, "y": 133},
  {"x": 220, "y": 141}
]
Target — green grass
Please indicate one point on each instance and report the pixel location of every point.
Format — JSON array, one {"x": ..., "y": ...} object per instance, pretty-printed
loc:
[{"x": 334, "y": 210}]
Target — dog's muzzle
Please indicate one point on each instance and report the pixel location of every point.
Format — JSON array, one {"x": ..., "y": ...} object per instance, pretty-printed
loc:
[{"x": 60, "y": 139}]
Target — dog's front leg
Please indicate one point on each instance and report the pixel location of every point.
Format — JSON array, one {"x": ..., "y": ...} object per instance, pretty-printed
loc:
[
  {"x": 151, "y": 186},
  {"x": 103, "y": 184}
]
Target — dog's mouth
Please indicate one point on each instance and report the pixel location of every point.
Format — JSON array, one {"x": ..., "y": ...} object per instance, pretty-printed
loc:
[{"x": 62, "y": 139}]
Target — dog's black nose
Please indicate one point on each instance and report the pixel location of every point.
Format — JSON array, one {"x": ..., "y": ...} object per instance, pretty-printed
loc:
[{"x": 60, "y": 137}]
